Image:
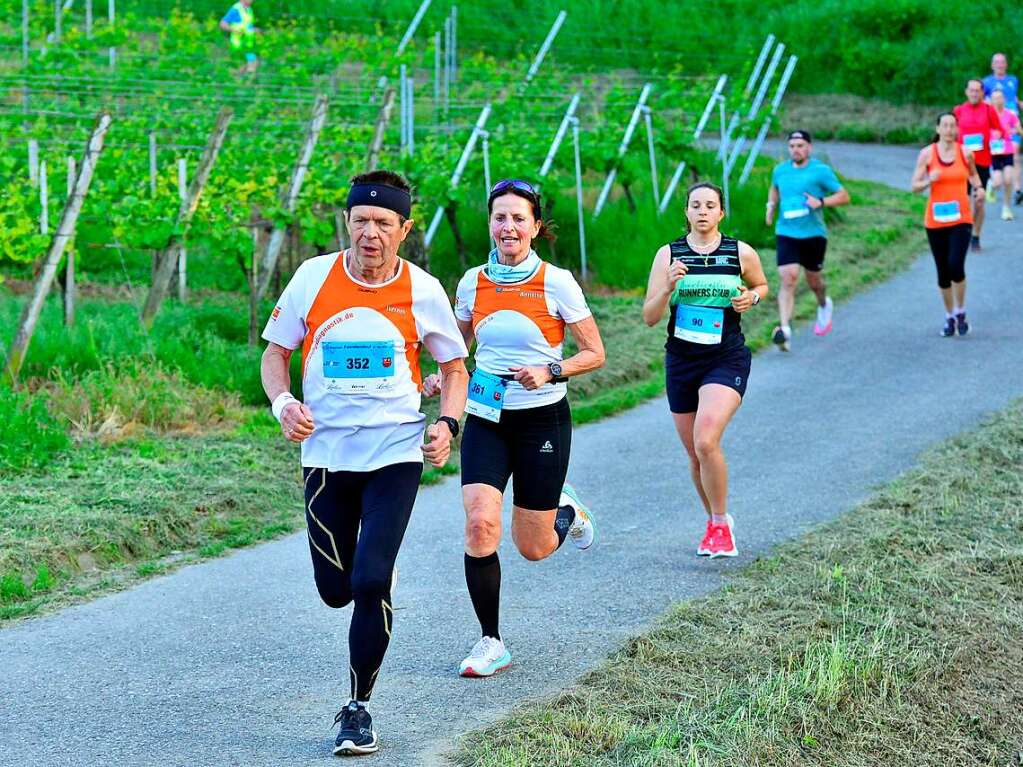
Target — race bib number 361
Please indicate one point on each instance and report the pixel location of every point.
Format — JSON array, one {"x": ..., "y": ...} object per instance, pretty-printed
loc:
[
  {"x": 486, "y": 396},
  {"x": 358, "y": 366}
]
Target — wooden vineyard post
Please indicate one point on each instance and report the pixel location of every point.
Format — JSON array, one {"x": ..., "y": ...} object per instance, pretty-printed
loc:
[
  {"x": 69, "y": 267},
  {"x": 183, "y": 254},
  {"x": 65, "y": 231},
  {"x": 167, "y": 259},
  {"x": 273, "y": 249},
  {"x": 254, "y": 284},
  {"x": 383, "y": 118}
]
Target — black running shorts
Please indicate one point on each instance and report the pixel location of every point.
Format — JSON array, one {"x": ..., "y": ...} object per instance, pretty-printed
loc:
[
  {"x": 984, "y": 171},
  {"x": 1001, "y": 161},
  {"x": 531, "y": 446},
  {"x": 684, "y": 375},
  {"x": 808, "y": 252}
]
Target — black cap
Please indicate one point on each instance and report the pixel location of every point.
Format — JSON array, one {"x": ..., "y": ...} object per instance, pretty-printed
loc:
[{"x": 803, "y": 134}]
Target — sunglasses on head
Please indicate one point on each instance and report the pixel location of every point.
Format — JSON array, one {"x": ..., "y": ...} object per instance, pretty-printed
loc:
[{"x": 514, "y": 183}]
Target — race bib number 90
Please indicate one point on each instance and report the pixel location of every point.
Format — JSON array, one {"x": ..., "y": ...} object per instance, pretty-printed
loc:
[
  {"x": 358, "y": 366},
  {"x": 699, "y": 324}
]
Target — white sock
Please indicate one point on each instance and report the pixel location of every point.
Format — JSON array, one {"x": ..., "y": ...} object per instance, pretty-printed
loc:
[
  {"x": 960, "y": 310},
  {"x": 786, "y": 329},
  {"x": 950, "y": 315}
]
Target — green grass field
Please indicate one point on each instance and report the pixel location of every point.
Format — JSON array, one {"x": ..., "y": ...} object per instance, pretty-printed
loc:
[
  {"x": 125, "y": 449},
  {"x": 893, "y": 635}
]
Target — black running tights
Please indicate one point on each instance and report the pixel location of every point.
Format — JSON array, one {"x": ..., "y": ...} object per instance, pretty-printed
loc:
[
  {"x": 356, "y": 523},
  {"x": 949, "y": 246}
]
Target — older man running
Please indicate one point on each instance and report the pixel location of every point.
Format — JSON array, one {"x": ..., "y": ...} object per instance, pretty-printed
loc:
[{"x": 361, "y": 318}]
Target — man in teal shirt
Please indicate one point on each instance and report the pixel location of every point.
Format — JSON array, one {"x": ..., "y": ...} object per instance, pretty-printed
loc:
[
  {"x": 240, "y": 24},
  {"x": 800, "y": 190}
]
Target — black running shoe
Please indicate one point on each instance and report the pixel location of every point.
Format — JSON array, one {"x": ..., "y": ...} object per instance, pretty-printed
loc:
[
  {"x": 1017, "y": 197},
  {"x": 947, "y": 332},
  {"x": 962, "y": 325},
  {"x": 356, "y": 736},
  {"x": 974, "y": 243},
  {"x": 781, "y": 339}
]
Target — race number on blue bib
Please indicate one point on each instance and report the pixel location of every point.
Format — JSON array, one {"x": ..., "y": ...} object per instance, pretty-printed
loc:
[
  {"x": 486, "y": 395},
  {"x": 974, "y": 142},
  {"x": 794, "y": 207},
  {"x": 997, "y": 146},
  {"x": 946, "y": 212},
  {"x": 699, "y": 324},
  {"x": 355, "y": 366}
]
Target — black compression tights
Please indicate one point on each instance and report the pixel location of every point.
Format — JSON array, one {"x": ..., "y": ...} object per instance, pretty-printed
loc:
[
  {"x": 356, "y": 523},
  {"x": 949, "y": 246}
]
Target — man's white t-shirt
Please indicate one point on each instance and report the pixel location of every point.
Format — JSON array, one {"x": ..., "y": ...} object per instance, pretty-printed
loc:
[
  {"x": 360, "y": 359},
  {"x": 520, "y": 325}
]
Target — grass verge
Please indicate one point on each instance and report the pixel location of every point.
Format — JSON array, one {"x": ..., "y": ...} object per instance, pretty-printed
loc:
[
  {"x": 845, "y": 117},
  {"x": 893, "y": 635},
  {"x": 166, "y": 463}
]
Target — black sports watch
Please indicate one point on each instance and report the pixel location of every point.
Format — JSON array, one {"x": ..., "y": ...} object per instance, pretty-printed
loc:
[
  {"x": 451, "y": 422},
  {"x": 555, "y": 370}
]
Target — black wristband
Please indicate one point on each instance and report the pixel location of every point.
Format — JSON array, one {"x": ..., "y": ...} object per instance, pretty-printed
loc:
[{"x": 451, "y": 422}]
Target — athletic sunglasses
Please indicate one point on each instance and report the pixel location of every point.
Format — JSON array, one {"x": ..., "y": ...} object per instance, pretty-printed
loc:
[{"x": 514, "y": 183}]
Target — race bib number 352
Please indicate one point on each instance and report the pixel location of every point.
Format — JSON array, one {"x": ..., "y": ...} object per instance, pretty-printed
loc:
[{"x": 358, "y": 366}]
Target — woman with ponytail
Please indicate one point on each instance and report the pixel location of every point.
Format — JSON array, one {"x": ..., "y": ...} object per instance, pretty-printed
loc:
[
  {"x": 947, "y": 171},
  {"x": 516, "y": 308},
  {"x": 706, "y": 281}
]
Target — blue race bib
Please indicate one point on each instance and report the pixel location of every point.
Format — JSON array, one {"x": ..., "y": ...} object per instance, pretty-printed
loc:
[
  {"x": 699, "y": 324},
  {"x": 997, "y": 146},
  {"x": 974, "y": 142},
  {"x": 946, "y": 212},
  {"x": 486, "y": 395},
  {"x": 794, "y": 207},
  {"x": 357, "y": 366}
]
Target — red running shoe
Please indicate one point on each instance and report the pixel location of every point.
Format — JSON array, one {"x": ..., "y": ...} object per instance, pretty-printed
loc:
[
  {"x": 703, "y": 550},
  {"x": 722, "y": 543}
]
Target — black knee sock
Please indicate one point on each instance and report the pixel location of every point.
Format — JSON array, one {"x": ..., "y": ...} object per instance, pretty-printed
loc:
[
  {"x": 483, "y": 577},
  {"x": 564, "y": 519},
  {"x": 368, "y": 637}
]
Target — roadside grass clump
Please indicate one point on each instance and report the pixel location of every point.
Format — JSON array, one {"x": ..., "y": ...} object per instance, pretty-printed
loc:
[
  {"x": 893, "y": 635},
  {"x": 121, "y": 398},
  {"x": 206, "y": 343},
  {"x": 29, "y": 434}
]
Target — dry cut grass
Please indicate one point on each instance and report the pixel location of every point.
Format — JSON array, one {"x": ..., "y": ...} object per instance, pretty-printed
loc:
[{"x": 891, "y": 636}]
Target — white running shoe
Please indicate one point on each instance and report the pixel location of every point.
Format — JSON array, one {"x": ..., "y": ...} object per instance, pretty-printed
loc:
[
  {"x": 581, "y": 531},
  {"x": 824, "y": 314},
  {"x": 488, "y": 656},
  {"x": 1007, "y": 213}
]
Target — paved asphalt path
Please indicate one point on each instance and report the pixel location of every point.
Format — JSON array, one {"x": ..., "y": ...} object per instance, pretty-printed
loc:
[{"x": 235, "y": 662}]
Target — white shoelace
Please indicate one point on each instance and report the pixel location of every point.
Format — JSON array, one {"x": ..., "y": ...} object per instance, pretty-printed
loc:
[{"x": 486, "y": 649}]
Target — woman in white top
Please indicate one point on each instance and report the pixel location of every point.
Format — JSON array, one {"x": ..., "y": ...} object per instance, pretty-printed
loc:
[{"x": 516, "y": 307}]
